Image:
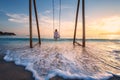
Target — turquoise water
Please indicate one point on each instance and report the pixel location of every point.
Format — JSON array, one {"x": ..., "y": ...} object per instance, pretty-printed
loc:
[
  {"x": 21, "y": 41},
  {"x": 25, "y": 39},
  {"x": 17, "y": 41}
]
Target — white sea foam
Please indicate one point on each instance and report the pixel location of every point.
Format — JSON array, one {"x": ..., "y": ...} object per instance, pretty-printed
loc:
[{"x": 69, "y": 62}]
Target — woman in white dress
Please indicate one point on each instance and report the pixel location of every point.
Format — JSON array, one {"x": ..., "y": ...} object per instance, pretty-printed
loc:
[{"x": 56, "y": 34}]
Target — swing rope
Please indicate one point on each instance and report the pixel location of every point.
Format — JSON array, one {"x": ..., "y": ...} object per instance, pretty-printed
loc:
[
  {"x": 53, "y": 14},
  {"x": 59, "y": 15},
  {"x": 53, "y": 5}
]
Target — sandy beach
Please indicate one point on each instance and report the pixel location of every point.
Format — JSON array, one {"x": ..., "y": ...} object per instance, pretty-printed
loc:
[{"x": 10, "y": 71}]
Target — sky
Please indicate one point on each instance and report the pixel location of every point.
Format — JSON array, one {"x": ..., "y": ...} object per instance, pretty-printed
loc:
[{"x": 102, "y": 18}]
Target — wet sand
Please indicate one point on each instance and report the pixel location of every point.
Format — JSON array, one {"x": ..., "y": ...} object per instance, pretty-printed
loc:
[{"x": 10, "y": 71}]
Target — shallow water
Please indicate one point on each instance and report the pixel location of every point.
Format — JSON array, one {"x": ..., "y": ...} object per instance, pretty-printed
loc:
[{"x": 98, "y": 61}]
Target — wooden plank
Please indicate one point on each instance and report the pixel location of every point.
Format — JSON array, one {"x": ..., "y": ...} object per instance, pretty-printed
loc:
[
  {"x": 78, "y": 43},
  {"x": 30, "y": 22},
  {"x": 83, "y": 19},
  {"x": 76, "y": 20},
  {"x": 37, "y": 22}
]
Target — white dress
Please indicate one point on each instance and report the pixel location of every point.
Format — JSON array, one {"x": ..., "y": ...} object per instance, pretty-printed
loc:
[{"x": 56, "y": 35}]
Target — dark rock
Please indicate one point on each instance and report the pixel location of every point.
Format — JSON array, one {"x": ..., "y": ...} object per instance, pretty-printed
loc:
[{"x": 7, "y": 33}]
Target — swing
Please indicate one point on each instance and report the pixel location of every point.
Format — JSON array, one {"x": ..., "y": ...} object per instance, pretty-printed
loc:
[{"x": 55, "y": 31}]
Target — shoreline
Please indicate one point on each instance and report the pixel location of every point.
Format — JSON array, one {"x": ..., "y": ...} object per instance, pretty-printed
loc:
[
  {"x": 18, "y": 72},
  {"x": 9, "y": 70}
]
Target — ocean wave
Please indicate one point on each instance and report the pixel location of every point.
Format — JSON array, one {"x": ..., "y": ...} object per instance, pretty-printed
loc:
[{"x": 66, "y": 61}]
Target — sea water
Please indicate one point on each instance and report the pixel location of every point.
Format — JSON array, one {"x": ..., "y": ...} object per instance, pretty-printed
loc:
[{"x": 98, "y": 61}]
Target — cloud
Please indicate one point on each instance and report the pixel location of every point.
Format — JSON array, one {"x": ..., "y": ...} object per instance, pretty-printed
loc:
[
  {"x": 22, "y": 18},
  {"x": 47, "y": 11},
  {"x": 107, "y": 24},
  {"x": 18, "y": 18},
  {"x": 103, "y": 26},
  {"x": 45, "y": 19},
  {"x": 2, "y": 11},
  {"x": 65, "y": 7},
  {"x": 46, "y": 24}
]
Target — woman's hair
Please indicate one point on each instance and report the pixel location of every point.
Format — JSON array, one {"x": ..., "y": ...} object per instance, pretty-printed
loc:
[{"x": 55, "y": 30}]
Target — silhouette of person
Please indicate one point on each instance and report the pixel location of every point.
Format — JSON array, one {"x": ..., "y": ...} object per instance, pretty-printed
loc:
[{"x": 56, "y": 34}]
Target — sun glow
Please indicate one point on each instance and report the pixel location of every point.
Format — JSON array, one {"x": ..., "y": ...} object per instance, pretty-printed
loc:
[
  {"x": 111, "y": 24},
  {"x": 113, "y": 36},
  {"x": 111, "y": 29},
  {"x": 105, "y": 26}
]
